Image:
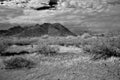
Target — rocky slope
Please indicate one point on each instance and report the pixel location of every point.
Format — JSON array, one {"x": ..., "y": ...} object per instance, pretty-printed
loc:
[{"x": 55, "y": 29}]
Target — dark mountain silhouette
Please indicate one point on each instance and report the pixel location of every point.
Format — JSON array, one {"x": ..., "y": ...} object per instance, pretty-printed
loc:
[
  {"x": 14, "y": 30},
  {"x": 55, "y": 29},
  {"x": 11, "y": 31},
  {"x": 37, "y": 30}
]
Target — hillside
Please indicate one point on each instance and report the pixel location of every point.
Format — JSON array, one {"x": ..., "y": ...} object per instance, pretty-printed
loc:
[{"x": 55, "y": 29}]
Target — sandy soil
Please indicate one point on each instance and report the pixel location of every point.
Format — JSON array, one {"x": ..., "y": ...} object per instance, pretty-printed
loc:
[{"x": 66, "y": 67}]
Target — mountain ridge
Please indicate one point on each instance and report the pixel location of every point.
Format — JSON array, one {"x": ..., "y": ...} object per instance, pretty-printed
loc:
[{"x": 37, "y": 30}]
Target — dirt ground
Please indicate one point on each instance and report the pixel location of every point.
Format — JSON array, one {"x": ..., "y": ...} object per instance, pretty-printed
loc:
[{"x": 66, "y": 67}]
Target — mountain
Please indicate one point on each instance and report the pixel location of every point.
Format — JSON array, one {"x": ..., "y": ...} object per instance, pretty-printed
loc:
[
  {"x": 55, "y": 29},
  {"x": 14, "y": 30},
  {"x": 11, "y": 31},
  {"x": 37, "y": 30}
]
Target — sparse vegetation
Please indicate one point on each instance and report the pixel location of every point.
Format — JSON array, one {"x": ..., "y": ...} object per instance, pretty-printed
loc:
[
  {"x": 100, "y": 47},
  {"x": 103, "y": 48},
  {"x": 2, "y": 47},
  {"x": 17, "y": 41},
  {"x": 47, "y": 50},
  {"x": 63, "y": 41},
  {"x": 18, "y": 63},
  {"x": 113, "y": 2},
  {"x": 4, "y": 44},
  {"x": 24, "y": 41}
]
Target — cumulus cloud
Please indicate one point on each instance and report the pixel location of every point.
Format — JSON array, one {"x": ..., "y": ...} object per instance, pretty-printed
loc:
[
  {"x": 23, "y": 3},
  {"x": 67, "y": 10},
  {"x": 62, "y": 3}
]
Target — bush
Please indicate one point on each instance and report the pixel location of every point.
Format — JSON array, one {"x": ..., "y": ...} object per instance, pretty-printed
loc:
[
  {"x": 18, "y": 63},
  {"x": 24, "y": 41},
  {"x": 102, "y": 48},
  {"x": 113, "y": 2},
  {"x": 4, "y": 44},
  {"x": 2, "y": 47},
  {"x": 48, "y": 51}
]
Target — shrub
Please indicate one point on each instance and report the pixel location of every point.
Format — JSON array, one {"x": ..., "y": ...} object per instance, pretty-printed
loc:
[
  {"x": 2, "y": 47},
  {"x": 48, "y": 51},
  {"x": 24, "y": 41},
  {"x": 113, "y": 2},
  {"x": 18, "y": 63},
  {"x": 4, "y": 44},
  {"x": 102, "y": 48},
  {"x": 115, "y": 41}
]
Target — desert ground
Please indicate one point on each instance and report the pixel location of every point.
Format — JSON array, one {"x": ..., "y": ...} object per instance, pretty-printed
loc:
[{"x": 64, "y": 43}]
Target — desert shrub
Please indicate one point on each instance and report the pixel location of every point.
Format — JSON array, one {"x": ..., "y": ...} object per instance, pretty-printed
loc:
[
  {"x": 4, "y": 44},
  {"x": 3, "y": 47},
  {"x": 115, "y": 41},
  {"x": 24, "y": 41},
  {"x": 18, "y": 63},
  {"x": 63, "y": 41},
  {"x": 47, "y": 50},
  {"x": 102, "y": 48},
  {"x": 113, "y": 2},
  {"x": 7, "y": 42}
]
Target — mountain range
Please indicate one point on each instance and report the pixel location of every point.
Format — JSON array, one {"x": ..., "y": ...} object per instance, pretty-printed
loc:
[{"x": 55, "y": 29}]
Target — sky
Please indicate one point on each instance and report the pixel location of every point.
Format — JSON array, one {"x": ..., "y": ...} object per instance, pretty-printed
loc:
[{"x": 73, "y": 17}]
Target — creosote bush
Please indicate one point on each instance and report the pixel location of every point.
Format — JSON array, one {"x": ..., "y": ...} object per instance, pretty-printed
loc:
[
  {"x": 24, "y": 41},
  {"x": 103, "y": 48},
  {"x": 2, "y": 47},
  {"x": 4, "y": 44},
  {"x": 47, "y": 50},
  {"x": 18, "y": 63}
]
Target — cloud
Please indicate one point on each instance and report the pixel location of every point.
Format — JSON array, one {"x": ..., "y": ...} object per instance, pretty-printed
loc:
[{"x": 67, "y": 11}]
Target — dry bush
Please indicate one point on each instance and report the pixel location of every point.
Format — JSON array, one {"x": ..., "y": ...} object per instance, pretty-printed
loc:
[
  {"x": 3, "y": 47},
  {"x": 4, "y": 44},
  {"x": 115, "y": 41},
  {"x": 103, "y": 48},
  {"x": 113, "y": 2},
  {"x": 18, "y": 63},
  {"x": 47, "y": 50},
  {"x": 24, "y": 41},
  {"x": 64, "y": 41},
  {"x": 7, "y": 42}
]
